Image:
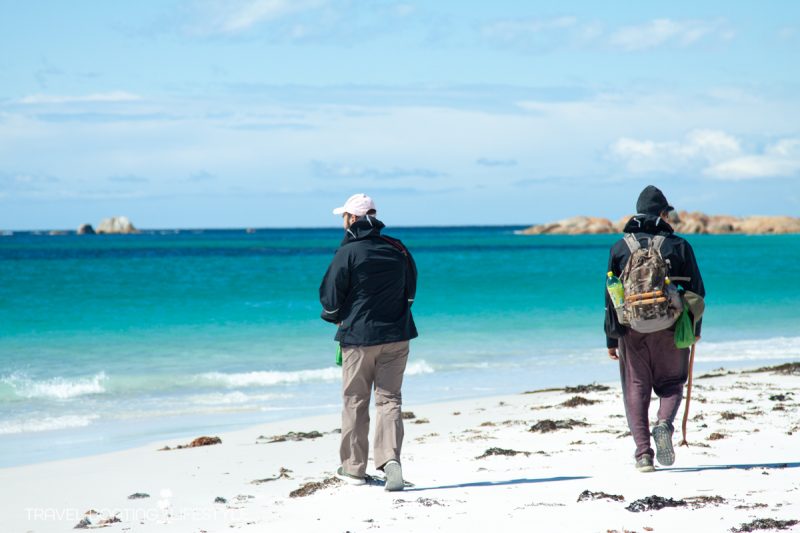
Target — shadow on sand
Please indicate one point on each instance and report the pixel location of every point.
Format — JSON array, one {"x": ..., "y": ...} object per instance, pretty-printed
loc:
[
  {"x": 729, "y": 467},
  {"x": 521, "y": 481}
]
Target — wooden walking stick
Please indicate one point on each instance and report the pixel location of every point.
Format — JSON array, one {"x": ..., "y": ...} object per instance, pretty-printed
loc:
[{"x": 684, "y": 442}]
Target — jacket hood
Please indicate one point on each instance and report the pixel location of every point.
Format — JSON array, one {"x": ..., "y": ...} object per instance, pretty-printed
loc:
[
  {"x": 363, "y": 228},
  {"x": 651, "y": 224}
]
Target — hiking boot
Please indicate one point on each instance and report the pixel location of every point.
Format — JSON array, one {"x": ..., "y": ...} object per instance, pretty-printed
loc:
[
  {"x": 645, "y": 464},
  {"x": 350, "y": 478},
  {"x": 662, "y": 434},
  {"x": 394, "y": 476}
]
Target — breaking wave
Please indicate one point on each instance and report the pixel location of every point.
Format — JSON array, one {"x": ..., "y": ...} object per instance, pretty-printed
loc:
[
  {"x": 266, "y": 378},
  {"x": 55, "y": 388}
]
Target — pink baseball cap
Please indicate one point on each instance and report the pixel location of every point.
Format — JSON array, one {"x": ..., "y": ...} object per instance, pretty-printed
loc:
[{"x": 358, "y": 204}]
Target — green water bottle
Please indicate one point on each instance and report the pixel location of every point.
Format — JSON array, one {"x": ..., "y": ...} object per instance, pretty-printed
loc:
[
  {"x": 617, "y": 293},
  {"x": 338, "y": 355}
]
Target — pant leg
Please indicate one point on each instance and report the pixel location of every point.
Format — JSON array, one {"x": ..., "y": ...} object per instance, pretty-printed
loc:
[
  {"x": 636, "y": 377},
  {"x": 389, "y": 369},
  {"x": 670, "y": 372},
  {"x": 358, "y": 374}
]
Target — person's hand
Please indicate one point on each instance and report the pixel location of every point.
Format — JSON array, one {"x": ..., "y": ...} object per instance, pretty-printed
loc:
[
  {"x": 697, "y": 339},
  {"x": 612, "y": 354}
]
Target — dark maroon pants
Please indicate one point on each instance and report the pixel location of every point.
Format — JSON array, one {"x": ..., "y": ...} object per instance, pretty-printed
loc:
[{"x": 650, "y": 362}]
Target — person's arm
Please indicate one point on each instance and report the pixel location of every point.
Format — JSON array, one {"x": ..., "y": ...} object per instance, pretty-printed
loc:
[
  {"x": 411, "y": 279},
  {"x": 335, "y": 286},
  {"x": 611, "y": 315}
]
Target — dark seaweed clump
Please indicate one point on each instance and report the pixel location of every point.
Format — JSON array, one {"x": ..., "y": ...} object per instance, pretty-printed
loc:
[
  {"x": 654, "y": 503},
  {"x": 313, "y": 486},
  {"x": 577, "y": 401},
  {"x": 501, "y": 451},
  {"x": 764, "y": 523},
  {"x": 545, "y": 426},
  {"x": 589, "y": 495},
  {"x": 583, "y": 389}
]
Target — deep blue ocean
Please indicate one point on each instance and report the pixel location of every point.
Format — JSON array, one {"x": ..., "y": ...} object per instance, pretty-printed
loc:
[{"x": 108, "y": 342}]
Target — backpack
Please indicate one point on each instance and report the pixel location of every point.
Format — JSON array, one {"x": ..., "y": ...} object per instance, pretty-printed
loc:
[{"x": 652, "y": 303}]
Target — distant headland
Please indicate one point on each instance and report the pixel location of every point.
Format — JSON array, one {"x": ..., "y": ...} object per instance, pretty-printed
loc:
[{"x": 682, "y": 222}]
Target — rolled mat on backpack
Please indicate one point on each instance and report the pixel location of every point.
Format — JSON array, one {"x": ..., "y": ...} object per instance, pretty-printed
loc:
[{"x": 644, "y": 296}]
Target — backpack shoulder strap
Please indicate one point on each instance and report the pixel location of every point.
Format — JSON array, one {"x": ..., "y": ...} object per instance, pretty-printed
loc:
[
  {"x": 397, "y": 245},
  {"x": 656, "y": 242},
  {"x": 631, "y": 241}
]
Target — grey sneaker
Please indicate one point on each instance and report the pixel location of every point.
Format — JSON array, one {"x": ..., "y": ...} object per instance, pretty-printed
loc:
[
  {"x": 394, "y": 476},
  {"x": 350, "y": 478},
  {"x": 662, "y": 434},
  {"x": 645, "y": 464}
]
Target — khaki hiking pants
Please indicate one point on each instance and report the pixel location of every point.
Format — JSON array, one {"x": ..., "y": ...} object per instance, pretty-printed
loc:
[{"x": 363, "y": 368}]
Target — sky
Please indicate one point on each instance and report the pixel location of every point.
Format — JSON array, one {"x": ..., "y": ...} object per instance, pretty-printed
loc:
[{"x": 270, "y": 113}]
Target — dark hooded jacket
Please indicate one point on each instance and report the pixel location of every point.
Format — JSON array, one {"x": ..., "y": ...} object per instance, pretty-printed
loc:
[
  {"x": 675, "y": 250},
  {"x": 369, "y": 287}
]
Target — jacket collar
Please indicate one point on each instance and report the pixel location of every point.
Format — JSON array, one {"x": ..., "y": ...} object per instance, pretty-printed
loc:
[
  {"x": 363, "y": 228},
  {"x": 651, "y": 224}
]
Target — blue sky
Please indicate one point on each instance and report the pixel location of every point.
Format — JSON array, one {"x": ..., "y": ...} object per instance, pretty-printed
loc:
[{"x": 269, "y": 113}]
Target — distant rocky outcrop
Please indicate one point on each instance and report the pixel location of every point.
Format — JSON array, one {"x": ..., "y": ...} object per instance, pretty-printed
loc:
[
  {"x": 573, "y": 226},
  {"x": 682, "y": 222},
  {"x": 85, "y": 229},
  {"x": 116, "y": 225}
]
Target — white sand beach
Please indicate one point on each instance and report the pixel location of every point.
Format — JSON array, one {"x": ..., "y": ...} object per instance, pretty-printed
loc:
[{"x": 475, "y": 465}]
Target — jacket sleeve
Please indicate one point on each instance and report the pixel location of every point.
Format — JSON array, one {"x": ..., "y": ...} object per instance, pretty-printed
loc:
[
  {"x": 411, "y": 279},
  {"x": 613, "y": 329},
  {"x": 335, "y": 286},
  {"x": 692, "y": 271}
]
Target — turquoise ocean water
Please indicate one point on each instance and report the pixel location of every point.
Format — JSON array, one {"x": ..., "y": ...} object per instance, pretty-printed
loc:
[{"x": 108, "y": 342}]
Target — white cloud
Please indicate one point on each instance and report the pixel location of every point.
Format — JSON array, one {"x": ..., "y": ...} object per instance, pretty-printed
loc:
[
  {"x": 564, "y": 32},
  {"x": 713, "y": 153},
  {"x": 113, "y": 96},
  {"x": 235, "y": 17},
  {"x": 699, "y": 147},
  {"x": 781, "y": 159},
  {"x": 322, "y": 169},
  {"x": 541, "y": 33},
  {"x": 659, "y": 32}
]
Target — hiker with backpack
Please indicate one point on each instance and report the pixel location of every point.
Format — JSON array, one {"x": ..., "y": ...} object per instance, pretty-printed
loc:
[
  {"x": 655, "y": 267},
  {"x": 368, "y": 291}
]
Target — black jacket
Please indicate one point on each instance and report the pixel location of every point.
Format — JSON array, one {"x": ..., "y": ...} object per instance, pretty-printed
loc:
[
  {"x": 369, "y": 287},
  {"x": 676, "y": 250}
]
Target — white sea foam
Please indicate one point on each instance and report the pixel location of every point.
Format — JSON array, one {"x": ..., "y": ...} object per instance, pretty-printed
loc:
[
  {"x": 750, "y": 350},
  {"x": 47, "y": 423},
  {"x": 266, "y": 378},
  {"x": 58, "y": 387},
  {"x": 233, "y": 398},
  {"x": 419, "y": 367}
]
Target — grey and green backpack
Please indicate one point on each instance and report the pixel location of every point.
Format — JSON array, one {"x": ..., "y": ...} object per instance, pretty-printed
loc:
[{"x": 652, "y": 302}]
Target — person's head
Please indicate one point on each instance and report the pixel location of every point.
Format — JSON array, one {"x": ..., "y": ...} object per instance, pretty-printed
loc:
[
  {"x": 653, "y": 202},
  {"x": 354, "y": 208}
]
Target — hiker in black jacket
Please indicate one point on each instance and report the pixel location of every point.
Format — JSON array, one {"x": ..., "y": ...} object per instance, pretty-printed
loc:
[
  {"x": 650, "y": 362},
  {"x": 368, "y": 291}
]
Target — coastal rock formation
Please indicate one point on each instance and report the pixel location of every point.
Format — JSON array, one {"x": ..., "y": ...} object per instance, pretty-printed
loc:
[
  {"x": 683, "y": 222},
  {"x": 573, "y": 226},
  {"x": 85, "y": 229},
  {"x": 116, "y": 225},
  {"x": 769, "y": 225}
]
